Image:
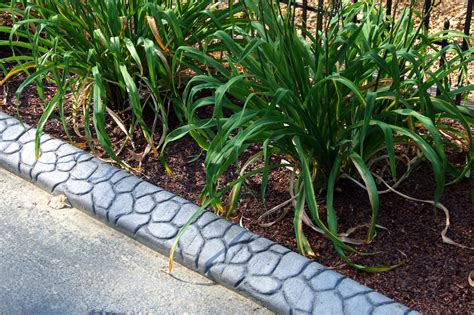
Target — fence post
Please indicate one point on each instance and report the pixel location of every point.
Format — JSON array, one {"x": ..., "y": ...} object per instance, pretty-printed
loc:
[
  {"x": 444, "y": 43},
  {"x": 389, "y": 8},
  {"x": 467, "y": 26},
  {"x": 355, "y": 17},
  {"x": 427, "y": 13},
  {"x": 319, "y": 25},
  {"x": 305, "y": 12}
]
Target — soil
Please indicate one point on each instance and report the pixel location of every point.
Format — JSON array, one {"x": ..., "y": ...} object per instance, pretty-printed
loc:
[{"x": 434, "y": 276}]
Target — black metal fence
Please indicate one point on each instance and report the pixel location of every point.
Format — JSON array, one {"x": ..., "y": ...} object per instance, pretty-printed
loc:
[{"x": 427, "y": 9}]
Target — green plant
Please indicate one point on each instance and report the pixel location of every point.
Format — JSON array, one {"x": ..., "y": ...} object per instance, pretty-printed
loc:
[
  {"x": 331, "y": 103},
  {"x": 112, "y": 55}
]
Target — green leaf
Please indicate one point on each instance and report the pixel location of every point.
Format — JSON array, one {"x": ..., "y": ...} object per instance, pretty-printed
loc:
[{"x": 372, "y": 191}]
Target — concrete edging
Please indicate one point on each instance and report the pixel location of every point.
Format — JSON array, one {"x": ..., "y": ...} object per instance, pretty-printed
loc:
[{"x": 269, "y": 273}]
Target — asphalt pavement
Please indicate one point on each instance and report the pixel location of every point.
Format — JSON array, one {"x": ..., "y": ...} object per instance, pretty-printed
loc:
[{"x": 62, "y": 261}]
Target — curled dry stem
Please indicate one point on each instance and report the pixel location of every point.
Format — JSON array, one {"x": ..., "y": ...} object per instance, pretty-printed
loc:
[
  {"x": 283, "y": 205},
  {"x": 392, "y": 188},
  {"x": 438, "y": 205}
]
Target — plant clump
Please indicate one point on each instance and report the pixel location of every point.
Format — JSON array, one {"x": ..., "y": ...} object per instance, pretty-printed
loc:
[
  {"x": 332, "y": 102},
  {"x": 113, "y": 56}
]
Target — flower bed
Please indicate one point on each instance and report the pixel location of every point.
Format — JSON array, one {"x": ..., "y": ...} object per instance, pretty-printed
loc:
[{"x": 366, "y": 105}]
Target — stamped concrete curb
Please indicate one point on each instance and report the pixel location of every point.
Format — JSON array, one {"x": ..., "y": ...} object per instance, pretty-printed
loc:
[{"x": 254, "y": 266}]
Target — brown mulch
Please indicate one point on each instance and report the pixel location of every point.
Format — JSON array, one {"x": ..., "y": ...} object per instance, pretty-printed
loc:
[{"x": 434, "y": 275}]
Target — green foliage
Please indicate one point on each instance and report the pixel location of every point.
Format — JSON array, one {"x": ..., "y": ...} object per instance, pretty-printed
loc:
[
  {"x": 330, "y": 102},
  {"x": 113, "y": 55}
]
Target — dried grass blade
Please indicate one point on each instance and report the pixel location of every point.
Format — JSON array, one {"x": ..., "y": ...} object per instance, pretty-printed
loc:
[{"x": 154, "y": 29}]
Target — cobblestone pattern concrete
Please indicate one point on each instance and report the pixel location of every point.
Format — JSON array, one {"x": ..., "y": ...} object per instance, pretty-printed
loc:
[{"x": 271, "y": 274}]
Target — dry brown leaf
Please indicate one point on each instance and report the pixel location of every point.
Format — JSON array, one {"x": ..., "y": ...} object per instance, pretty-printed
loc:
[{"x": 59, "y": 202}]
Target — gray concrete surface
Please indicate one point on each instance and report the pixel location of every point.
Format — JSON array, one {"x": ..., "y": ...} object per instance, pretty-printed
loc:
[{"x": 65, "y": 262}]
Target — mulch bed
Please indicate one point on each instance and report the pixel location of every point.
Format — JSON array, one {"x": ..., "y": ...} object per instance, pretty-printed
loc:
[{"x": 434, "y": 277}]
